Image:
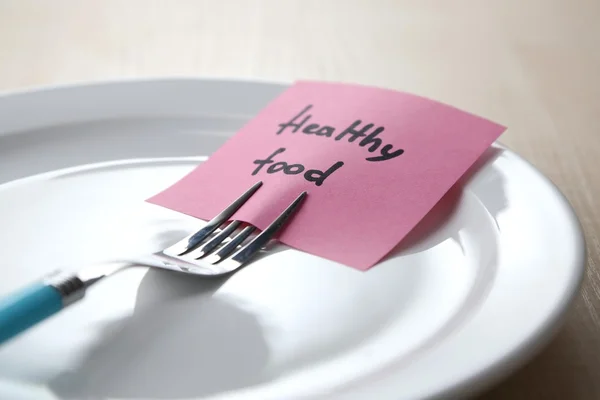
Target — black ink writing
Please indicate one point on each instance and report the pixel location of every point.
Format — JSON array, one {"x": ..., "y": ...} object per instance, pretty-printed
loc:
[
  {"x": 372, "y": 140},
  {"x": 326, "y": 131},
  {"x": 293, "y": 123},
  {"x": 357, "y": 130},
  {"x": 311, "y": 175},
  {"x": 312, "y": 128},
  {"x": 353, "y": 133},
  {"x": 386, "y": 154}
]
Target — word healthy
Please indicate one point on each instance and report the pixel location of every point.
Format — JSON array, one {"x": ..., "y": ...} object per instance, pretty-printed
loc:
[{"x": 352, "y": 133}]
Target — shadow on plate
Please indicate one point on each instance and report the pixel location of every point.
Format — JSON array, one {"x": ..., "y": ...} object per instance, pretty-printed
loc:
[
  {"x": 216, "y": 347},
  {"x": 181, "y": 341},
  {"x": 157, "y": 353},
  {"x": 434, "y": 229}
]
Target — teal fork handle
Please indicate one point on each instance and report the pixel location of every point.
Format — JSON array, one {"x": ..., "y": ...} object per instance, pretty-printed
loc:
[{"x": 26, "y": 307}]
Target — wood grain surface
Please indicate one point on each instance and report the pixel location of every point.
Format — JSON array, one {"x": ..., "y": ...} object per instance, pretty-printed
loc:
[{"x": 532, "y": 65}]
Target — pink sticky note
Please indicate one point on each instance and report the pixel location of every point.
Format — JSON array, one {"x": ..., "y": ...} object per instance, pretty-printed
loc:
[{"x": 374, "y": 163}]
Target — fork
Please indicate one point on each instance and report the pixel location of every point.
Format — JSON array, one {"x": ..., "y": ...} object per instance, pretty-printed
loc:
[{"x": 217, "y": 249}]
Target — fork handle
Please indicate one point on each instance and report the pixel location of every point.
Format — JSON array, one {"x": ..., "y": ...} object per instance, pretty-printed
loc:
[{"x": 26, "y": 307}]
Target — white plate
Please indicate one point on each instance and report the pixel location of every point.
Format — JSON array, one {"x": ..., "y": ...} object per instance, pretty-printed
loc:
[{"x": 475, "y": 290}]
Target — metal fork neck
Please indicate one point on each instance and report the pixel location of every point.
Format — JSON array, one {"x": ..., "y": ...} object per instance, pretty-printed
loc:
[{"x": 70, "y": 287}]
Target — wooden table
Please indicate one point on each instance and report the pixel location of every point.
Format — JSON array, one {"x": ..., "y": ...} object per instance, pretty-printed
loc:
[{"x": 530, "y": 65}]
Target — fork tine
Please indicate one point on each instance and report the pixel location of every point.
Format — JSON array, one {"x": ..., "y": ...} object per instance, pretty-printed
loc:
[
  {"x": 216, "y": 240},
  {"x": 196, "y": 239},
  {"x": 230, "y": 246},
  {"x": 247, "y": 252}
]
